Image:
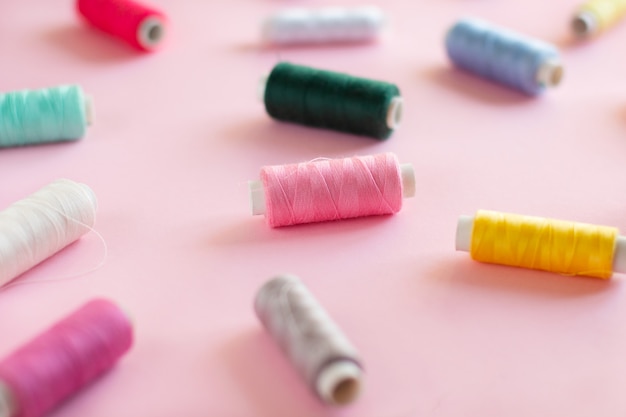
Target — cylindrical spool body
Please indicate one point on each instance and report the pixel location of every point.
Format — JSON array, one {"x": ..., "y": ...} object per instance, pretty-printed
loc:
[
  {"x": 141, "y": 26},
  {"x": 569, "y": 248},
  {"x": 596, "y": 16},
  {"x": 42, "y": 116},
  {"x": 330, "y": 100},
  {"x": 42, "y": 373},
  {"x": 310, "y": 338},
  {"x": 517, "y": 61},
  {"x": 327, "y": 25},
  {"x": 38, "y": 226}
]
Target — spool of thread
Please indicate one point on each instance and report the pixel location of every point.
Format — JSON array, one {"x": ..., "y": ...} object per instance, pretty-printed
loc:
[
  {"x": 37, "y": 227},
  {"x": 141, "y": 26},
  {"x": 59, "y": 362},
  {"x": 43, "y": 116},
  {"x": 315, "y": 345},
  {"x": 327, "y": 25},
  {"x": 325, "y": 189},
  {"x": 564, "y": 247},
  {"x": 499, "y": 55},
  {"x": 332, "y": 100},
  {"x": 596, "y": 16}
]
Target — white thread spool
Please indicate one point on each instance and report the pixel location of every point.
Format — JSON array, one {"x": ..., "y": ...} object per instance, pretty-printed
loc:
[
  {"x": 7, "y": 403},
  {"x": 465, "y": 229},
  {"x": 151, "y": 32},
  {"x": 313, "y": 342},
  {"x": 327, "y": 25},
  {"x": 35, "y": 228}
]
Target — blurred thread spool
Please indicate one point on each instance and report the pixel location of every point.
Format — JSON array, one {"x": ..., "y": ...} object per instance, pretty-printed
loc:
[
  {"x": 315, "y": 345},
  {"x": 568, "y": 248},
  {"x": 332, "y": 100},
  {"x": 138, "y": 25},
  {"x": 42, "y": 116},
  {"x": 37, "y": 227},
  {"x": 324, "y": 190},
  {"x": 514, "y": 60},
  {"x": 596, "y": 16},
  {"x": 327, "y": 25},
  {"x": 59, "y": 362}
]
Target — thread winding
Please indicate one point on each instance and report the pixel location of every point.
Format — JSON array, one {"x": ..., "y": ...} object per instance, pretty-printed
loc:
[
  {"x": 140, "y": 26},
  {"x": 499, "y": 55},
  {"x": 565, "y": 247},
  {"x": 314, "y": 343},
  {"x": 327, "y": 25},
  {"x": 596, "y": 16},
  {"x": 37, "y": 227},
  {"x": 332, "y": 100},
  {"x": 327, "y": 189},
  {"x": 65, "y": 358},
  {"x": 31, "y": 117}
]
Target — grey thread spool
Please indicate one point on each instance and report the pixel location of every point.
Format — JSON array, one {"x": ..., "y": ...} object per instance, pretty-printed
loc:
[{"x": 316, "y": 346}]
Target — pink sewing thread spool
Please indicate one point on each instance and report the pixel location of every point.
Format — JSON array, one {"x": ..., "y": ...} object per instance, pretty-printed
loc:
[
  {"x": 324, "y": 189},
  {"x": 138, "y": 25},
  {"x": 59, "y": 362}
]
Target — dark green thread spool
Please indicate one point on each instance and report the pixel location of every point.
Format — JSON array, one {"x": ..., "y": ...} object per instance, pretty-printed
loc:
[{"x": 332, "y": 100}]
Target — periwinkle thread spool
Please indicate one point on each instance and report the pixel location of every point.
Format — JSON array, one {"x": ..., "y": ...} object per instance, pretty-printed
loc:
[
  {"x": 141, "y": 26},
  {"x": 315, "y": 345},
  {"x": 332, "y": 100},
  {"x": 517, "y": 61},
  {"x": 35, "y": 228},
  {"x": 42, "y": 116},
  {"x": 596, "y": 16},
  {"x": 324, "y": 190},
  {"x": 565, "y": 247},
  {"x": 327, "y": 25},
  {"x": 59, "y": 362}
]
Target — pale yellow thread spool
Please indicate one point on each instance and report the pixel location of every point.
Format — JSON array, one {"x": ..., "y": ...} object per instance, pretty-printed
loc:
[
  {"x": 596, "y": 16},
  {"x": 564, "y": 247}
]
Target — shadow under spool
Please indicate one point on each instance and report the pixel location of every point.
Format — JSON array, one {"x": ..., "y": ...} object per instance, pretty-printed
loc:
[{"x": 332, "y": 100}]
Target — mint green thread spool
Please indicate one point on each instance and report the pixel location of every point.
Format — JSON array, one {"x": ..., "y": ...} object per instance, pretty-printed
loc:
[
  {"x": 33, "y": 117},
  {"x": 332, "y": 100}
]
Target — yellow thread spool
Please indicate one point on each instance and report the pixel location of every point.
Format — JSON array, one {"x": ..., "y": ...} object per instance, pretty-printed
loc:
[
  {"x": 596, "y": 16},
  {"x": 569, "y": 248}
]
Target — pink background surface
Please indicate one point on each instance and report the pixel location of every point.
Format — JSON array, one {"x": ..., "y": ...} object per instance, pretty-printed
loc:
[{"x": 178, "y": 133}]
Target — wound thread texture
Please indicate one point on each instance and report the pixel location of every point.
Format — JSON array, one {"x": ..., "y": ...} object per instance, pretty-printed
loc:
[
  {"x": 564, "y": 247},
  {"x": 499, "y": 55},
  {"x": 330, "y": 100},
  {"x": 138, "y": 25},
  {"x": 324, "y": 190},
  {"x": 42, "y": 116},
  {"x": 65, "y": 358},
  {"x": 302, "y": 328},
  {"x": 35, "y": 228},
  {"x": 328, "y": 25}
]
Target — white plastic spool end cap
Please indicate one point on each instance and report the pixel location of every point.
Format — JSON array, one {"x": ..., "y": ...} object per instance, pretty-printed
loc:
[
  {"x": 151, "y": 32},
  {"x": 340, "y": 382},
  {"x": 464, "y": 229},
  {"x": 257, "y": 197},
  {"x": 408, "y": 180},
  {"x": 394, "y": 112},
  {"x": 261, "y": 88},
  {"x": 584, "y": 24},
  {"x": 7, "y": 403},
  {"x": 90, "y": 112},
  {"x": 550, "y": 73},
  {"x": 619, "y": 257}
]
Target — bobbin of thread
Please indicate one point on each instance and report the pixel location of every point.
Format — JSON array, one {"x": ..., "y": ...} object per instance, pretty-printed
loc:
[
  {"x": 333, "y": 24},
  {"x": 465, "y": 228},
  {"x": 258, "y": 200},
  {"x": 316, "y": 346},
  {"x": 596, "y": 16},
  {"x": 394, "y": 111}
]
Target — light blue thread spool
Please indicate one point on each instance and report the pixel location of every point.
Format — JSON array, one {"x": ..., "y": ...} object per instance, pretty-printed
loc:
[
  {"x": 520, "y": 62},
  {"x": 43, "y": 116}
]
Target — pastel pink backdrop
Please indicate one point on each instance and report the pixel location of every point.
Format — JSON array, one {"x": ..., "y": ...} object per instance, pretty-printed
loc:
[{"x": 179, "y": 132}]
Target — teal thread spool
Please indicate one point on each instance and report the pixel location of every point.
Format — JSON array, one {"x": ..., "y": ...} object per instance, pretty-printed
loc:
[
  {"x": 332, "y": 100},
  {"x": 44, "y": 116}
]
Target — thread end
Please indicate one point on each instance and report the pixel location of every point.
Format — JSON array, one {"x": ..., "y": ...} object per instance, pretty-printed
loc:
[
  {"x": 7, "y": 403},
  {"x": 340, "y": 383},
  {"x": 584, "y": 25},
  {"x": 407, "y": 173},
  {"x": 550, "y": 73},
  {"x": 151, "y": 32},
  {"x": 394, "y": 112},
  {"x": 257, "y": 197},
  {"x": 464, "y": 228}
]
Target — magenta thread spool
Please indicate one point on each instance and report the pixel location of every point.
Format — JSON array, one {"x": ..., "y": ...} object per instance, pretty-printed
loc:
[{"x": 59, "y": 362}]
